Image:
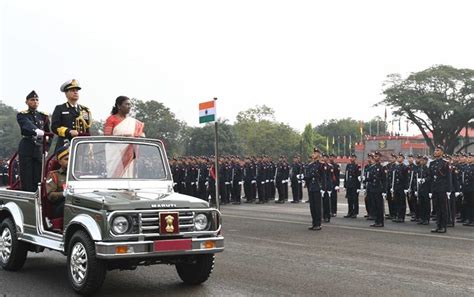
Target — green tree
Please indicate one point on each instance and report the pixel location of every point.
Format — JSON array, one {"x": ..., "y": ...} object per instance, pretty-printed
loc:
[
  {"x": 160, "y": 123},
  {"x": 9, "y": 131},
  {"x": 336, "y": 129},
  {"x": 201, "y": 140},
  {"x": 438, "y": 100},
  {"x": 261, "y": 134}
]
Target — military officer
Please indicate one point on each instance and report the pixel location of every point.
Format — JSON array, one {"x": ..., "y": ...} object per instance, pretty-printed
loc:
[
  {"x": 376, "y": 189},
  {"x": 352, "y": 184},
  {"x": 70, "y": 119},
  {"x": 314, "y": 172},
  {"x": 326, "y": 187},
  {"x": 399, "y": 188},
  {"x": 439, "y": 174},
  {"x": 422, "y": 191},
  {"x": 468, "y": 190},
  {"x": 390, "y": 201},
  {"x": 336, "y": 177},
  {"x": 296, "y": 180},
  {"x": 33, "y": 125},
  {"x": 56, "y": 181}
]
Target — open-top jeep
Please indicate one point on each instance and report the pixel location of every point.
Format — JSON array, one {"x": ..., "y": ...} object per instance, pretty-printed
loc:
[{"x": 120, "y": 212}]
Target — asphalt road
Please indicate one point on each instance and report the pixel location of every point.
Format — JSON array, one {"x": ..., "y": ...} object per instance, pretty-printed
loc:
[{"x": 270, "y": 252}]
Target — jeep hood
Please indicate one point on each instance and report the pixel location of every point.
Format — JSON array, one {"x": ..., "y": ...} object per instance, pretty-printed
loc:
[{"x": 133, "y": 200}]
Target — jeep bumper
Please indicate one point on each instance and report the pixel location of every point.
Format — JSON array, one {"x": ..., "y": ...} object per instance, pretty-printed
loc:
[{"x": 156, "y": 248}]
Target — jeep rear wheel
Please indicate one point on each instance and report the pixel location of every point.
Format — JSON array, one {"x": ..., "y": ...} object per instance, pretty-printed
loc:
[
  {"x": 12, "y": 251},
  {"x": 198, "y": 271},
  {"x": 85, "y": 272}
]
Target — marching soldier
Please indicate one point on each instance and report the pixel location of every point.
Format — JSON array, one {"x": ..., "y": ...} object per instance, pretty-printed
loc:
[
  {"x": 314, "y": 189},
  {"x": 70, "y": 119},
  {"x": 369, "y": 205},
  {"x": 439, "y": 174},
  {"x": 282, "y": 173},
  {"x": 376, "y": 189},
  {"x": 261, "y": 180},
  {"x": 237, "y": 177},
  {"x": 352, "y": 184},
  {"x": 33, "y": 125},
  {"x": 250, "y": 181}
]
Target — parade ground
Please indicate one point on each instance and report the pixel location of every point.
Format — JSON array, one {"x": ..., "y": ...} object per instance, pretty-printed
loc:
[{"x": 270, "y": 252}]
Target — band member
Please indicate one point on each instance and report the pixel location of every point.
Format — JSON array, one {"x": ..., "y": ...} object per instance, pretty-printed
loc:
[
  {"x": 352, "y": 184},
  {"x": 70, "y": 119},
  {"x": 33, "y": 125}
]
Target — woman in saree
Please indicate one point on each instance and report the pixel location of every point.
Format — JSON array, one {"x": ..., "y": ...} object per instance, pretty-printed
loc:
[{"x": 120, "y": 158}]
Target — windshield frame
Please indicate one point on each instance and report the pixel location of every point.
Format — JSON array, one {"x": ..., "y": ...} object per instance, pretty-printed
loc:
[{"x": 120, "y": 140}]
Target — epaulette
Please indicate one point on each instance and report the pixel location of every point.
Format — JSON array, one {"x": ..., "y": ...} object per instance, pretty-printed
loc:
[
  {"x": 83, "y": 107},
  {"x": 24, "y": 111}
]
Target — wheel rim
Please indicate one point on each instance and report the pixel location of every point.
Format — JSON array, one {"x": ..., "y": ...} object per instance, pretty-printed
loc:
[
  {"x": 5, "y": 245},
  {"x": 78, "y": 263}
]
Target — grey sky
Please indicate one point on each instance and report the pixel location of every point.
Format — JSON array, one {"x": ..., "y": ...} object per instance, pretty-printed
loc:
[{"x": 309, "y": 60}]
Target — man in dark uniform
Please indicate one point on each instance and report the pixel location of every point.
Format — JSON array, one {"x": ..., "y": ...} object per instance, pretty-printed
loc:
[
  {"x": 326, "y": 187},
  {"x": 296, "y": 181},
  {"x": 70, "y": 119},
  {"x": 56, "y": 181},
  {"x": 202, "y": 179},
  {"x": 399, "y": 188},
  {"x": 376, "y": 189},
  {"x": 336, "y": 176},
  {"x": 352, "y": 184},
  {"x": 237, "y": 178},
  {"x": 33, "y": 125},
  {"x": 439, "y": 174},
  {"x": 422, "y": 191},
  {"x": 261, "y": 180},
  {"x": 250, "y": 181},
  {"x": 369, "y": 205},
  {"x": 390, "y": 201},
  {"x": 468, "y": 190},
  {"x": 410, "y": 197},
  {"x": 314, "y": 189}
]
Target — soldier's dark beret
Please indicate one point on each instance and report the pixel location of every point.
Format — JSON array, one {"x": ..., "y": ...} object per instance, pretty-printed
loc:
[
  {"x": 332, "y": 155},
  {"x": 410, "y": 156},
  {"x": 401, "y": 155},
  {"x": 31, "y": 95},
  {"x": 316, "y": 150},
  {"x": 377, "y": 153},
  {"x": 325, "y": 155},
  {"x": 419, "y": 156},
  {"x": 353, "y": 155},
  {"x": 393, "y": 155},
  {"x": 425, "y": 157},
  {"x": 439, "y": 147}
]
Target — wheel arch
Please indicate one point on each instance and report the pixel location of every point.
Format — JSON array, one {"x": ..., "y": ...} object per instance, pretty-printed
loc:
[
  {"x": 11, "y": 210},
  {"x": 85, "y": 223}
]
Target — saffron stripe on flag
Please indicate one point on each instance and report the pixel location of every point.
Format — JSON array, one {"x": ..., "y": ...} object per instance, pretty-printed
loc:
[
  {"x": 206, "y": 119},
  {"x": 206, "y": 105}
]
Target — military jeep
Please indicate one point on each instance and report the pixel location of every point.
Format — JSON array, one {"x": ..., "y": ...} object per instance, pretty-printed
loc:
[{"x": 120, "y": 212}]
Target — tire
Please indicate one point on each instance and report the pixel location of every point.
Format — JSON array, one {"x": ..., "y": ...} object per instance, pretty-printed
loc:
[
  {"x": 198, "y": 272},
  {"x": 13, "y": 252},
  {"x": 81, "y": 258}
]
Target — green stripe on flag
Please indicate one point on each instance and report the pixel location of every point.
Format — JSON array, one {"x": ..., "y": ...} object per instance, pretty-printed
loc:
[{"x": 205, "y": 119}]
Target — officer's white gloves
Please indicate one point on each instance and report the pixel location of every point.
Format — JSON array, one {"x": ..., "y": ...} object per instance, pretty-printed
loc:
[{"x": 39, "y": 132}]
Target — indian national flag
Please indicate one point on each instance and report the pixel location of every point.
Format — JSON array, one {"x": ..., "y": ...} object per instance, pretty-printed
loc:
[{"x": 207, "y": 111}]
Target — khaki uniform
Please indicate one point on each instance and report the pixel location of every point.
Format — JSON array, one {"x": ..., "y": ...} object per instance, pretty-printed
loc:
[{"x": 54, "y": 187}]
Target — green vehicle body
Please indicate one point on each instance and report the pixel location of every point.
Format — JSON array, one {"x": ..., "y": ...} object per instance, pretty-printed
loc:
[{"x": 93, "y": 202}]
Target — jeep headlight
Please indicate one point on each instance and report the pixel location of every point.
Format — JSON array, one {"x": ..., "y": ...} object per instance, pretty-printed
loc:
[
  {"x": 200, "y": 222},
  {"x": 120, "y": 225}
]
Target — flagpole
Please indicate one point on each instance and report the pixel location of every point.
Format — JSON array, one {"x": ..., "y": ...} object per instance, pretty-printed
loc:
[{"x": 216, "y": 159}]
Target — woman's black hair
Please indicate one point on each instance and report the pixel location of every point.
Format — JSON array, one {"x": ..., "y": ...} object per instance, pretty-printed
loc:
[{"x": 118, "y": 102}]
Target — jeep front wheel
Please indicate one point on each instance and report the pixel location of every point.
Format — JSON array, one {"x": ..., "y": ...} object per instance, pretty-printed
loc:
[
  {"x": 12, "y": 251},
  {"x": 198, "y": 271},
  {"x": 86, "y": 273}
]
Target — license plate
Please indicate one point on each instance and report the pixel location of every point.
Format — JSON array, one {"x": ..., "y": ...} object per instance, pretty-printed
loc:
[{"x": 172, "y": 245}]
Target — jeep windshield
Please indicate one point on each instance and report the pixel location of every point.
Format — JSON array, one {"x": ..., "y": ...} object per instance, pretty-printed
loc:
[{"x": 118, "y": 160}]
